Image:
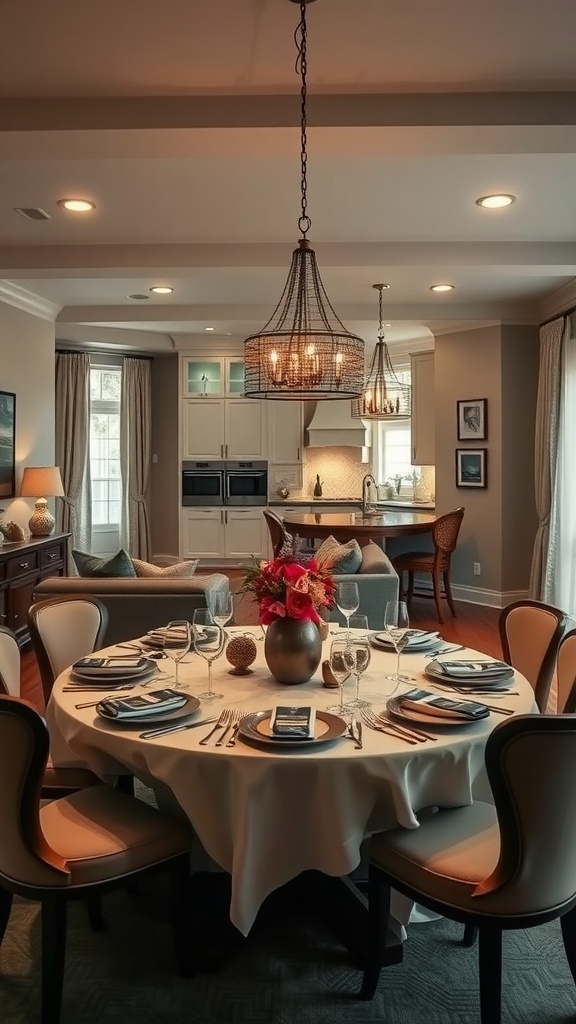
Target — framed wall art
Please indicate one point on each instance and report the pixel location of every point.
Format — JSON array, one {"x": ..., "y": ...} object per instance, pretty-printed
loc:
[
  {"x": 471, "y": 414},
  {"x": 7, "y": 443},
  {"x": 471, "y": 467}
]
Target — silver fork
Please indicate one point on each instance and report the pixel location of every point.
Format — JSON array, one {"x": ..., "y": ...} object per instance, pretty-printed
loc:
[
  {"x": 222, "y": 721},
  {"x": 417, "y": 734},
  {"x": 233, "y": 717},
  {"x": 232, "y": 741},
  {"x": 389, "y": 729}
]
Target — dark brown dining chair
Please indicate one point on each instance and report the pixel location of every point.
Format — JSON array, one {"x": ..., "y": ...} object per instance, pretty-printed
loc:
[
  {"x": 566, "y": 674},
  {"x": 530, "y": 634},
  {"x": 282, "y": 541},
  {"x": 487, "y": 865},
  {"x": 436, "y": 563},
  {"x": 76, "y": 847}
]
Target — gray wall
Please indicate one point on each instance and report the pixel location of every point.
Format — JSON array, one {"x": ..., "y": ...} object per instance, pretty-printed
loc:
[{"x": 164, "y": 474}]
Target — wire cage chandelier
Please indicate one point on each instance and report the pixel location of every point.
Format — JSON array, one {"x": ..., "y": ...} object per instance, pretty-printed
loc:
[
  {"x": 383, "y": 397},
  {"x": 304, "y": 351}
]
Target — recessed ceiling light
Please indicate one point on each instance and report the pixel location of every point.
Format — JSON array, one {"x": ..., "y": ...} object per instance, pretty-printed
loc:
[
  {"x": 141, "y": 298},
  {"x": 387, "y": 325},
  {"x": 161, "y": 289},
  {"x": 77, "y": 205},
  {"x": 209, "y": 328},
  {"x": 441, "y": 287},
  {"x": 496, "y": 202}
]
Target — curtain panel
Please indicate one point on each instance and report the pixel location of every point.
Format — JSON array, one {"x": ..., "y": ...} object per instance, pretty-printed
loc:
[
  {"x": 135, "y": 439},
  {"x": 74, "y": 514}
]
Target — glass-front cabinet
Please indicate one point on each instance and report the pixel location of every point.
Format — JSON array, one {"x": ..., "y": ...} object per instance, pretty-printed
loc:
[{"x": 220, "y": 377}]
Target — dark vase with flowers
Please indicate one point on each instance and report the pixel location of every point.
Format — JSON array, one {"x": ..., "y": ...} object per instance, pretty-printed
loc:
[{"x": 292, "y": 649}]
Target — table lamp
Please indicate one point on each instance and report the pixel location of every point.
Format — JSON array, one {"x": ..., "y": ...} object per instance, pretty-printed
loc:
[{"x": 45, "y": 480}]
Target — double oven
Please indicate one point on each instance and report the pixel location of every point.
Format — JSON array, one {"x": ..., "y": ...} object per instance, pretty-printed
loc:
[{"x": 244, "y": 482}]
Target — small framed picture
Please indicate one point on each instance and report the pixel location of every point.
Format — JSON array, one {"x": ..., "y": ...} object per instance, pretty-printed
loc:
[
  {"x": 471, "y": 414},
  {"x": 471, "y": 467}
]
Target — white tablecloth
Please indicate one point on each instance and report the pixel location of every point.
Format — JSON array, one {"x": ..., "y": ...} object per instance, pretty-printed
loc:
[{"x": 265, "y": 815}]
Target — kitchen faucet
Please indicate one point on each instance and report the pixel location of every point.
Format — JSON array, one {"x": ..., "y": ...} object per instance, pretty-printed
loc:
[{"x": 367, "y": 482}]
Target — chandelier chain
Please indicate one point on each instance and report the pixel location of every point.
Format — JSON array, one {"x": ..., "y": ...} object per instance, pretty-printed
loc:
[
  {"x": 300, "y": 38},
  {"x": 380, "y": 314}
]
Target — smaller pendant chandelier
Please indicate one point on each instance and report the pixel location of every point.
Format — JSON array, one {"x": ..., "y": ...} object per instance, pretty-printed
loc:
[
  {"x": 383, "y": 396},
  {"x": 304, "y": 351}
]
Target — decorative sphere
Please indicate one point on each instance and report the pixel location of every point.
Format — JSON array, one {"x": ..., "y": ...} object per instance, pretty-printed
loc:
[{"x": 241, "y": 652}]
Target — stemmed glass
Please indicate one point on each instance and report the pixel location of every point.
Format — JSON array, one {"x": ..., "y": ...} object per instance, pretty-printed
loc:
[
  {"x": 176, "y": 643},
  {"x": 223, "y": 609},
  {"x": 342, "y": 665},
  {"x": 347, "y": 601},
  {"x": 209, "y": 639},
  {"x": 361, "y": 653},
  {"x": 397, "y": 627}
]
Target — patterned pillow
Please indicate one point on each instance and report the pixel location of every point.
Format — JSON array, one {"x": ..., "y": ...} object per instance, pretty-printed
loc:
[
  {"x": 91, "y": 566},
  {"x": 343, "y": 559},
  {"x": 178, "y": 570}
]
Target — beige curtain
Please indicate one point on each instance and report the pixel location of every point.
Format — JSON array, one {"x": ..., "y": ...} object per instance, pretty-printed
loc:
[
  {"x": 135, "y": 434},
  {"x": 546, "y": 449},
  {"x": 74, "y": 513}
]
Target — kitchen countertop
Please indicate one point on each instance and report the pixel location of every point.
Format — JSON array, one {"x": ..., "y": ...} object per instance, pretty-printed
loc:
[{"x": 427, "y": 506}]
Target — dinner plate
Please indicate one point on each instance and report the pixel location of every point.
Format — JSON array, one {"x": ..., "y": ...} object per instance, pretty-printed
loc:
[
  {"x": 256, "y": 727},
  {"x": 107, "y": 679},
  {"x": 419, "y": 644},
  {"x": 397, "y": 710},
  {"x": 192, "y": 704},
  {"x": 493, "y": 682}
]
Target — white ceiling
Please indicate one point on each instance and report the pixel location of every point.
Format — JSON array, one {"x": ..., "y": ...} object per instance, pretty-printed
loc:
[{"x": 180, "y": 121}]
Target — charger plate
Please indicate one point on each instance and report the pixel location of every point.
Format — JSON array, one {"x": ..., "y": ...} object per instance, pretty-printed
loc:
[
  {"x": 404, "y": 714},
  {"x": 256, "y": 728},
  {"x": 192, "y": 704},
  {"x": 420, "y": 641},
  {"x": 107, "y": 679},
  {"x": 488, "y": 682}
]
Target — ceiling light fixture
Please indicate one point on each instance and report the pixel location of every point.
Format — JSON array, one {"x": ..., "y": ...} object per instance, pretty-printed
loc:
[
  {"x": 76, "y": 205},
  {"x": 304, "y": 351},
  {"x": 141, "y": 298},
  {"x": 383, "y": 396},
  {"x": 209, "y": 328},
  {"x": 161, "y": 289},
  {"x": 496, "y": 202},
  {"x": 441, "y": 287}
]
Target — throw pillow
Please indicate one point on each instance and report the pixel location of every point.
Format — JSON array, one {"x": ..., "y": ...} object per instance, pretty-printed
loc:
[
  {"x": 374, "y": 559},
  {"x": 91, "y": 566},
  {"x": 343, "y": 559},
  {"x": 178, "y": 570}
]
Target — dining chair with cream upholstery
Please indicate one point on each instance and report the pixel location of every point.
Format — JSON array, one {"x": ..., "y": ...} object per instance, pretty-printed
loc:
[
  {"x": 9, "y": 663},
  {"x": 435, "y": 563},
  {"x": 76, "y": 847},
  {"x": 489, "y": 865},
  {"x": 530, "y": 632},
  {"x": 63, "y": 630},
  {"x": 566, "y": 674}
]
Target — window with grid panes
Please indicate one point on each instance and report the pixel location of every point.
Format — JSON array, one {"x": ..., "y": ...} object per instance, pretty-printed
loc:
[
  {"x": 392, "y": 446},
  {"x": 105, "y": 475}
]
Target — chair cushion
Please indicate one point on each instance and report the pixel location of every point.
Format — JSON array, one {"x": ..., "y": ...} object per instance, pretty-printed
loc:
[
  {"x": 103, "y": 834},
  {"x": 374, "y": 560},
  {"x": 91, "y": 566},
  {"x": 344, "y": 559},
  {"x": 178, "y": 570}
]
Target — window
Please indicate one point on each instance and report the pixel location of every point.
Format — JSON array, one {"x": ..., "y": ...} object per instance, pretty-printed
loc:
[
  {"x": 392, "y": 441},
  {"x": 105, "y": 474}
]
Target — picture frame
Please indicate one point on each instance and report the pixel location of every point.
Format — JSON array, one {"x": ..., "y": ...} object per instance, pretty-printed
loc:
[
  {"x": 7, "y": 444},
  {"x": 472, "y": 419},
  {"x": 471, "y": 465}
]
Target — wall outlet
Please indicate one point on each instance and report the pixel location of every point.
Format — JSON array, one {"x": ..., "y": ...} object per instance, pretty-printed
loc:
[{"x": 477, "y": 568}]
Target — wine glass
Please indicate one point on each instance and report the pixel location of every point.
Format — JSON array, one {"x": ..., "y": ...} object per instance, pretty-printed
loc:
[
  {"x": 361, "y": 652},
  {"x": 223, "y": 609},
  {"x": 342, "y": 664},
  {"x": 347, "y": 601},
  {"x": 175, "y": 644},
  {"x": 397, "y": 627},
  {"x": 209, "y": 639}
]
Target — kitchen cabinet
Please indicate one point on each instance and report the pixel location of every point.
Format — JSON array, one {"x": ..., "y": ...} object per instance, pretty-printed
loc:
[
  {"x": 423, "y": 409},
  {"x": 285, "y": 432},
  {"x": 223, "y": 428},
  {"x": 204, "y": 376},
  {"x": 22, "y": 567},
  {"x": 223, "y": 533}
]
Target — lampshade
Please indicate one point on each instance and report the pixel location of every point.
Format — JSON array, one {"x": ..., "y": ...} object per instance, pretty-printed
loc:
[
  {"x": 383, "y": 397},
  {"x": 304, "y": 351},
  {"x": 41, "y": 482}
]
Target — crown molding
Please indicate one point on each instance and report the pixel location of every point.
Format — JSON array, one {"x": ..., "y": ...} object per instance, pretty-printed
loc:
[
  {"x": 27, "y": 302},
  {"x": 558, "y": 302}
]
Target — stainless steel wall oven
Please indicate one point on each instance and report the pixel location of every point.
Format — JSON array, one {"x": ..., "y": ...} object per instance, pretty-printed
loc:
[
  {"x": 202, "y": 483},
  {"x": 246, "y": 483}
]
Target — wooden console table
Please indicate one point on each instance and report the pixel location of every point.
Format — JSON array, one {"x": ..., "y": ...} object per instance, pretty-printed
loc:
[{"x": 22, "y": 566}]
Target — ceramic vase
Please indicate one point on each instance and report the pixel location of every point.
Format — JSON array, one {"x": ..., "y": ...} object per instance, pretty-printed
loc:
[{"x": 292, "y": 649}]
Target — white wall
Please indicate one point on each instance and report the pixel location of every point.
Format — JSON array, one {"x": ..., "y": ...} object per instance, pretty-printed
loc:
[{"x": 27, "y": 368}]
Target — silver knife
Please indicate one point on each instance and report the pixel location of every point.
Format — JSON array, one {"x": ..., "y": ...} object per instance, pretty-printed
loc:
[
  {"x": 174, "y": 728},
  {"x": 358, "y": 734}
]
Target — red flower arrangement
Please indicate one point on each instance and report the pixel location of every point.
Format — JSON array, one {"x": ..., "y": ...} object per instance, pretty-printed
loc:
[{"x": 285, "y": 588}]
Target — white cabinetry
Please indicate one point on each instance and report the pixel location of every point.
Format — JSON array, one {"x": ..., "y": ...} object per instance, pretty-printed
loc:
[
  {"x": 286, "y": 430},
  {"x": 223, "y": 428},
  {"x": 423, "y": 409},
  {"x": 223, "y": 533},
  {"x": 202, "y": 376}
]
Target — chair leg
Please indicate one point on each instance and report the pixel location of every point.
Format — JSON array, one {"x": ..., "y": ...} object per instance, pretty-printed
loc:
[
  {"x": 125, "y": 783},
  {"x": 94, "y": 906},
  {"x": 490, "y": 974},
  {"x": 180, "y": 893},
  {"x": 410, "y": 591},
  {"x": 470, "y": 935},
  {"x": 378, "y": 915},
  {"x": 437, "y": 595},
  {"x": 53, "y": 954},
  {"x": 448, "y": 592},
  {"x": 568, "y": 925},
  {"x": 5, "y": 909}
]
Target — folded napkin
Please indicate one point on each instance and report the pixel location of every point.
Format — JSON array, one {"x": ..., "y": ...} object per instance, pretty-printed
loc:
[
  {"x": 144, "y": 704},
  {"x": 162, "y": 637},
  {"x": 442, "y": 707},
  {"x": 416, "y": 638},
  {"x": 118, "y": 665},
  {"x": 473, "y": 669},
  {"x": 292, "y": 722}
]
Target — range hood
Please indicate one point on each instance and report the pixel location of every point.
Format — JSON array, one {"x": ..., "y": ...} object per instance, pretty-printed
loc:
[{"x": 333, "y": 426}]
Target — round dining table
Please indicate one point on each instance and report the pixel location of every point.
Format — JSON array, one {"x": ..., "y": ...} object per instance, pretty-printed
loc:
[
  {"x": 358, "y": 526},
  {"x": 265, "y": 813}
]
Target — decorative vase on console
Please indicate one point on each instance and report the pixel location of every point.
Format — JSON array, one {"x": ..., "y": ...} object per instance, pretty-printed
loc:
[{"x": 291, "y": 595}]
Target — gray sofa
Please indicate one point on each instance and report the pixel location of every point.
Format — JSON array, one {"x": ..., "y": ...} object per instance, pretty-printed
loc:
[
  {"x": 137, "y": 604},
  {"x": 374, "y": 588}
]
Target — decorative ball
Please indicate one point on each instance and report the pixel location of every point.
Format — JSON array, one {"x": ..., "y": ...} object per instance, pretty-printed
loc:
[{"x": 241, "y": 652}]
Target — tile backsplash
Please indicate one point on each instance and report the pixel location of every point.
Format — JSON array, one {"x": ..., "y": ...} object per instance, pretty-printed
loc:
[{"x": 340, "y": 471}]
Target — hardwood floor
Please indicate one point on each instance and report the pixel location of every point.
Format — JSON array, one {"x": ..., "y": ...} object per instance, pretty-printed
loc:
[{"x": 475, "y": 626}]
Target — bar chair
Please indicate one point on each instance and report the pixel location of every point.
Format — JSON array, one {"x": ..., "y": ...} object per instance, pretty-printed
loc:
[{"x": 436, "y": 563}]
